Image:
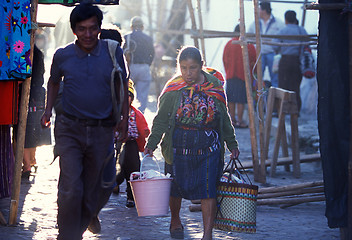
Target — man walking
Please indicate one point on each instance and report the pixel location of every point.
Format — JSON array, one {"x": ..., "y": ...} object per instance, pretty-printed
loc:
[
  {"x": 84, "y": 131},
  {"x": 269, "y": 25},
  {"x": 290, "y": 75},
  {"x": 139, "y": 51}
]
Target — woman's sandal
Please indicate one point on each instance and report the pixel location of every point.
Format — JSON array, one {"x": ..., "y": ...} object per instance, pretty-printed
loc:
[
  {"x": 240, "y": 125},
  {"x": 177, "y": 233}
]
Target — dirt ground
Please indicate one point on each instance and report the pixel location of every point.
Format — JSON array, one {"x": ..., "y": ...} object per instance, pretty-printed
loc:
[{"x": 38, "y": 209}]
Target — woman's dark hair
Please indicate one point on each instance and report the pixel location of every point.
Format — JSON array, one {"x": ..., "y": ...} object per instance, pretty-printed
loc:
[
  {"x": 190, "y": 52},
  {"x": 83, "y": 12}
]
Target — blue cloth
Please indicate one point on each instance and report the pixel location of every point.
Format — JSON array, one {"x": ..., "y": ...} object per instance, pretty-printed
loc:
[
  {"x": 267, "y": 61},
  {"x": 87, "y": 92},
  {"x": 290, "y": 29},
  {"x": 197, "y": 164},
  {"x": 15, "y": 39},
  {"x": 141, "y": 47},
  {"x": 84, "y": 163}
]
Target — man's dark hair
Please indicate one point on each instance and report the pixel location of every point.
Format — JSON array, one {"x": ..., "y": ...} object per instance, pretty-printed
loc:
[
  {"x": 265, "y": 6},
  {"x": 290, "y": 17},
  {"x": 83, "y": 12},
  {"x": 237, "y": 28}
]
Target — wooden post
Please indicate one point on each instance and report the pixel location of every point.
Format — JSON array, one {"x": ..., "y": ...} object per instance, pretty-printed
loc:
[
  {"x": 261, "y": 171},
  {"x": 202, "y": 43},
  {"x": 349, "y": 197},
  {"x": 304, "y": 13},
  {"x": 249, "y": 95},
  {"x": 26, "y": 85},
  {"x": 149, "y": 10},
  {"x": 193, "y": 20}
]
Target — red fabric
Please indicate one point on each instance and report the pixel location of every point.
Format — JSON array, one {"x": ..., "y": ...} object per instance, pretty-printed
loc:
[
  {"x": 8, "y": 102},
  {"x": 233, "y": 60},
  {"x": 143, "y": 129}
]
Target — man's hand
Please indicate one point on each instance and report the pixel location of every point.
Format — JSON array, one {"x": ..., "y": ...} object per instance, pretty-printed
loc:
[{"x": 45, "y": 120}]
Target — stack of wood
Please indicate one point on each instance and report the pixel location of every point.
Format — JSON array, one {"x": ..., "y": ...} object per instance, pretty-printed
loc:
[
  {"x": 290, "y": 195},
  {"x": 285, "y": 196}
]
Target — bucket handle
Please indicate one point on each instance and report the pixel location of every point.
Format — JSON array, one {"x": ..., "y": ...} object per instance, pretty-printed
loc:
[{"x": 152, "y": 157}]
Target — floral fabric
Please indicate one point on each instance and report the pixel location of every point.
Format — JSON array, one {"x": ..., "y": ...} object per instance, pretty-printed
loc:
[
  {"x": 73, "y": 2},
  {"x": 15, "y": 39},
  {"x": 197, "y": 109}
]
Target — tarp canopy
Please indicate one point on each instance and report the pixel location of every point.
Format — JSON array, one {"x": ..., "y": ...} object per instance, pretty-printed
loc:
[{"x": 73, "y": 2}]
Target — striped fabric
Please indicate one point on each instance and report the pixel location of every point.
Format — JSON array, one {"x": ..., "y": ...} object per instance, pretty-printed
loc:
[{"x": 6, "y": 161}]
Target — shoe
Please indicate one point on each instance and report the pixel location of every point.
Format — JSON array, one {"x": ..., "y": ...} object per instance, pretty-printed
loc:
[
  {"x": 130, "y": 203},
  {"x": 240, "y": 125},
  {"x": 94, "y": 225},
  {"x": 116, "y": 190},
  {"x": 177, "y": 233}
]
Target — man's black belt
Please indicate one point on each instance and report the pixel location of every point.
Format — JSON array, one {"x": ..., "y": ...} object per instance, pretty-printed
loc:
[{"x": 107, "y": 122}]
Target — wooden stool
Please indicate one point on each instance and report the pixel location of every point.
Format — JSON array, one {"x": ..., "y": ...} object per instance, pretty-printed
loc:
[{"x": 285, "y": 102}]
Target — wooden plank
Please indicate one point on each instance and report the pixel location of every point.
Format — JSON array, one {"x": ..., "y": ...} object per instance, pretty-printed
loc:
[
  {"x": 300, "y": 191},
  {"x": 290, "y": 187},
  {"x": 286, "y": 160},
  {"x": 2, "y": 219},
  {"x": 298, "y": 200}
]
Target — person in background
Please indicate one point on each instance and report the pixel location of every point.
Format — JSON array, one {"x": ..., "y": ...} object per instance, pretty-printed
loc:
[
  {"x": 235, "y": 78},
  {"x": 290, "y": 75},
  {"x": 35, "y": 134},
  {"x": 269, "y": 25},
  {"x": 129, "y": 160},
  {"x": 139, "y": 51},
  {"x": 85, "y": 130},
  {"x": 193, "y": 123}
]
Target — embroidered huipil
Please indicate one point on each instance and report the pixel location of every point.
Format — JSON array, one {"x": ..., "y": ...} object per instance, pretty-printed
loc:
[
  {"x": 15, "y": 39},
  {"x": 197, "y": 109}
]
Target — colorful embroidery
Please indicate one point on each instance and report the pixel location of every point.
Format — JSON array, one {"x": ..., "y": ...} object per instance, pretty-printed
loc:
[
  {"x": 196, "y": 109},
  {"x": 15, "y": 40},
  {"x": 132, "y": 126}
]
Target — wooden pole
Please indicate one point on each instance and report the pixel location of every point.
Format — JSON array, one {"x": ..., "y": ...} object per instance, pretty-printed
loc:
[
  {"x": 295, "y": 200},
  {"x": 349, "y": 197},
  {"x": 300, "y": 191},
  {"x": 193, "y": 20},
  {"x": 304, "y": 13},
  {"x": 202, "y": 43},
  {"x": 26, "y": 85},
  {"x": 149, "y": 10},
  {"x": 248, "y": 82},
  {"x": 290, "y": 187},
  {"x": 261, "y": 171}
]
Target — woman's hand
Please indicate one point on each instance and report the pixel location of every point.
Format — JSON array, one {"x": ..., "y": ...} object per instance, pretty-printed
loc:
[
  {"x": 148, "y": 151},
  {"x": 235, "y": 153}
]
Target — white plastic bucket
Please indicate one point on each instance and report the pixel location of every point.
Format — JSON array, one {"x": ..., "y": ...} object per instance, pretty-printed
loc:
[{"x": 151, "y": 195}]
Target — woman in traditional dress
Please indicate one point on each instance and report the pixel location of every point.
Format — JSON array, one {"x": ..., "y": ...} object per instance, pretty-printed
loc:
[{"x": 193, "y": 123}]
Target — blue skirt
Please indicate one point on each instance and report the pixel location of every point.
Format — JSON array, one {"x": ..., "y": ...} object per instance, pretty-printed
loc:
[{"x": 197, "y": 164}]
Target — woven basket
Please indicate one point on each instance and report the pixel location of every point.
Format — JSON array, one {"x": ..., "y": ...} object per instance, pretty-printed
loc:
[{"x": 237, "y": 204}]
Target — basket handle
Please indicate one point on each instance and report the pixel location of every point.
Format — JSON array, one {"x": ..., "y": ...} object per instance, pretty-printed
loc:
[{"x": 152, "y": 157}]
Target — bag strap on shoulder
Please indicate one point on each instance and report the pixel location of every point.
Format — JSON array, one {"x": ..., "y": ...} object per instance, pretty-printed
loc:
[{"x": 117, "y": 100}]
